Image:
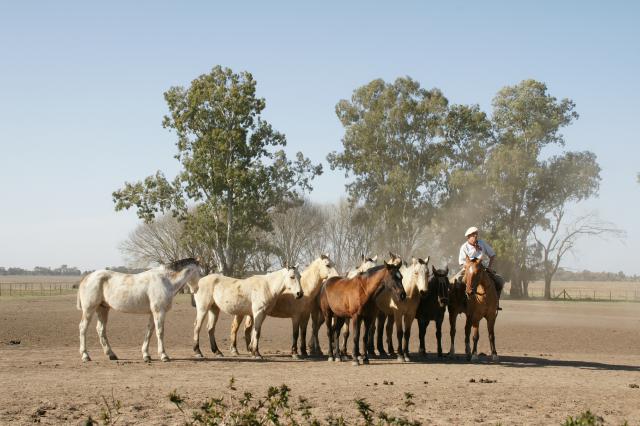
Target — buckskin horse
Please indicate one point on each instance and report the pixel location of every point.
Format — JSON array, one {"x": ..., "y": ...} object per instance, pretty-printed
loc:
[
  {"x": 483, "y": 303},
  {"x": 432, "y": 307},
  {"x": 344, "y": 298}
]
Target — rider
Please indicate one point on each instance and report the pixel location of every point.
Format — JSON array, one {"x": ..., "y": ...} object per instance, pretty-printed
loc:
[{"x": 477, "y": 248}]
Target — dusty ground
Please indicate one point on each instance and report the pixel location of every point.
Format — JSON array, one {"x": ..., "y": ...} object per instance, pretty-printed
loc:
[{"x": 557, "y": 359}]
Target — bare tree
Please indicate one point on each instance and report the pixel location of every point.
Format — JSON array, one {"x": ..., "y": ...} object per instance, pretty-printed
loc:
[
  {"x": 154, "y": 243},
  {"x": 563, "y": 239}
]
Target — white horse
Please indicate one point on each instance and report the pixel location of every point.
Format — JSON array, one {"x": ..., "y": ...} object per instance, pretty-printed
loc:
[
  {"x": 414, "y": 281},
  {"x": 287, "y": 306},
  {"x": 255, "y": 296},
  {"x": 150, "y": 292},
  {"x": 317, "y": 320}
]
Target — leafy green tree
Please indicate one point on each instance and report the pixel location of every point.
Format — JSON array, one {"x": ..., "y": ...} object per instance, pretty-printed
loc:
[
  {"x": 391, "y": 148},
  {"x": 233, "y": 169}
]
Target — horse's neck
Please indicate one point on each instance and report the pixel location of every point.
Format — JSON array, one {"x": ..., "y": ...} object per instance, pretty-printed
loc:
[
  {"x": 275, "y": 282},
  {"x": 180, "y": 279},
  {"x": 371, "y": 285},
  {"x": 310, "y": 280},
  {"x": 409, "y": 280},
  {"x": 488, "y": 289}
]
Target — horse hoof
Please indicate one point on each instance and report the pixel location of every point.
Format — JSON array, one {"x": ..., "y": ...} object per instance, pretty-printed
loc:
[
  {"x": 330, "y": 359},
  {"x": 400, "y": 358},
  {"x": 407, "y": 359},
  {"x": 86, "y": 358},
  {"x": 365, "y": 361},
  {"x": 218, "y": 354},
  {"x": 495, "y": 358},
  {"x": 338, "y": 359},
  {"x": 146, "y": 358},
  {"x": 113, "y": 357},
  {"x": 304, "y": 354},
  {"x": 474, "y": 358},
  {"x": 355, "y": 363},
  {"x": 382, "y": 354},
  {"x": 234, "y": 353},
  {"x": 198, "y": 355},
  {"x": 165, "y": 358},
  {"x": 295, "y": 356}
]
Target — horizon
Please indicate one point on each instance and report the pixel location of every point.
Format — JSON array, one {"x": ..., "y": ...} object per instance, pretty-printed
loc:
[{"x": 83, "y": 85}]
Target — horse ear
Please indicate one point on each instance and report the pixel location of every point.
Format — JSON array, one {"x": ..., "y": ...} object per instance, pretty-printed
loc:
[
  {"x": 447, "y": 269},
  {"x": 433, "y": 268},
  {"x": 362, "y": 256},
  {"x": 427, "y": 260},
  {"x": 296, "y": 266},
  {"x": 414, "y": 260},
  {"x": 374, "y": 258}
]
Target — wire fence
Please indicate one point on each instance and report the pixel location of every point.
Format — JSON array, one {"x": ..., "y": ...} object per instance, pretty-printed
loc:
[
  {"x": 36, "y": 288},
  {"x": 600, "y": 295}
]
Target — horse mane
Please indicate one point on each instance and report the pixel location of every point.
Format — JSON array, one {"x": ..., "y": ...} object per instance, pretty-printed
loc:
[
  {"x": 369, "y": 272},
  {"x": 179, "y": 265}
]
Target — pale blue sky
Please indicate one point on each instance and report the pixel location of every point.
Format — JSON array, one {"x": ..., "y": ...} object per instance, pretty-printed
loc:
[{"x": 81, "y": 95}]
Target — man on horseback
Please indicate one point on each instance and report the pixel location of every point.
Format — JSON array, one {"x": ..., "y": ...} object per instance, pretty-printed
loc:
[{"x": 476, "y": 248}]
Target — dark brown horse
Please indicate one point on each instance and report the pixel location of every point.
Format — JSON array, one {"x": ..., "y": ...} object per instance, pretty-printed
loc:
[
  {"x": 482, "y": 304},
  {"x": 457, "y": 305},
  {"x": 432, "y": 307},
  {"x": 345, "y": 298}
]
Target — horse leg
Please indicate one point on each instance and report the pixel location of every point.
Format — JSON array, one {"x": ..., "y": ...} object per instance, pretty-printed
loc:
[
  {"x": 476, "y": 337},
  {"x": 248, "y": 326},
  {"x": 87, "y": 315},
  {"x": 467, "y": 332},
  {"x": 355, "y": 325},
  {"x": 491, "y": 322},
  {"x": 304, "y": 321},
  {"x": 233, "y": 337},
  {"x": 338, "y": 326},
  {"x": 295, "y": 332},
  {"x": 439, "y": 335},
  {"x": 200, "y": 313},
  {"x": 408, "y": 321},
  {"x": 101, "y": 328},
  {"x": 345, "y": 338},
  {"x": 399, "y": 335},
  {"x": 158, "y": 318},
  {"x": 258, "y": 318},
  {"x": 212, "y": 320},
  {"x": 452, "y": 333},
  {"x": 316, "y": 321},
  {"x": 380, "y": 334},
  {"x": 328, "y": 320},
  {"x": 422, "y": 330},
  {"x": 367, "y": 339},
  {"x": 147, "y": 336},
  {"x": 389, "y": 328}
]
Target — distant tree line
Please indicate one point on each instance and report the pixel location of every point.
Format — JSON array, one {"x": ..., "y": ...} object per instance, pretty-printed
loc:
[
  {"x": 584, "y": 275},
  {"x": 419, "y": 169},
  {"x": 41, "y": 270}
]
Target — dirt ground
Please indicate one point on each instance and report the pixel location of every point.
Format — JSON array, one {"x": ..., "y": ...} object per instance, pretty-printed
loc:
[{"x": 557, "y": 359}]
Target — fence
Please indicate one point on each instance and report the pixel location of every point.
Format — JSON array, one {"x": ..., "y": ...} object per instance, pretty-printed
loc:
[
  {"x": 601, "y": 295},
  {"x": 36, "y": 288}
]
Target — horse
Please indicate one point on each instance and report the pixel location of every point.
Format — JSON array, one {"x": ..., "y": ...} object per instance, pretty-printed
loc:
[
  {"x": 414, "y": 281},
  {"x": 255, "y": 296},
  {"x": 298, "y": 310},
  {"x": 316, "y": 317},
  {"x": 347, "y": 298},
  {"x": 481, "y": 304},
  {"x": 457, "y": 305},
  {"x": 150, "y": 292},
  {"x": 432, "y": 307}
]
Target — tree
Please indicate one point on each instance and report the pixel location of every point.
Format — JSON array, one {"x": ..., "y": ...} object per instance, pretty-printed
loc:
[
  {"x": 232, "y": 170},
  {"x": 391, "y": 147},
  {"x": 561, "y": 241}
]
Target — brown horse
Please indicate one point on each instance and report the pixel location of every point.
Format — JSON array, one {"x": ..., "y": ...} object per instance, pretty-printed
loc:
[
  {"x": 483, "y": 303},
  {"x": 345, "y": 298},
  {"x": 432, "y": 307}
]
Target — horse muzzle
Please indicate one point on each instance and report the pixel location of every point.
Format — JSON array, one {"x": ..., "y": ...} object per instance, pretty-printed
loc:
[
  {"x": 403, "y": 295},
  {"x": 299, "y": 294},
  {"x": 422, "y": 292}
]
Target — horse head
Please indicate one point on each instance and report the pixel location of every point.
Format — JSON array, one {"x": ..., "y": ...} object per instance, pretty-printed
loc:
[
  {"x": 326, "y": 267},
  {"x": 473, "y": 271},
  {"x": 420, "y": 271},
  {"x": 392, "y": 281},
  {"x": 292, "y": 280},
  {"x": 439, "y": 285}
]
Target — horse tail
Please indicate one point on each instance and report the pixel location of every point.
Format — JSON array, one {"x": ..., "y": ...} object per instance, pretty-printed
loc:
[{"x": 78, "y": 302}]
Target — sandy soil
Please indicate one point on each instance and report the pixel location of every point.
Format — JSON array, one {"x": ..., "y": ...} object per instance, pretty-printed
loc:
[{"x": 557, "y": 359}]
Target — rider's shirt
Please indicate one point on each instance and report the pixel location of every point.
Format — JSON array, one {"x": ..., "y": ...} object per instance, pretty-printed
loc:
[{"x": 483, "y": 250}]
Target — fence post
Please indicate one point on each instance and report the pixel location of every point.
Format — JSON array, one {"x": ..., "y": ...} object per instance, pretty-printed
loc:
[{"x": 10, "y": 288}]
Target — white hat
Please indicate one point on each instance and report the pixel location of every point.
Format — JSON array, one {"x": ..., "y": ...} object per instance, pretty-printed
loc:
[{"x": 470, "y": 231}]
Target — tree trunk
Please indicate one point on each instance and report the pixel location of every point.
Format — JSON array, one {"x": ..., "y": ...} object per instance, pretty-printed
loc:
[
  {"x": 516, "y": 284},
  {"x": 547, "y": 287}
]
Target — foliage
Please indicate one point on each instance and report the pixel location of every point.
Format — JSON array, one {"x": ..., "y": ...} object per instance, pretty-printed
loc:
[
  {"x": 233, "y": 170},
  {"x": 584, "y": 419}
]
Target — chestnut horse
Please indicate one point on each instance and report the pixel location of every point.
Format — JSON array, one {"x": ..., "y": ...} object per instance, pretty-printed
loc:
[
  {"x": 344, "y": 298},
  {"x": 483, "y": 303},
  {"x": 457, "y": 305},
  {"x": 432, "y": 307}
]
